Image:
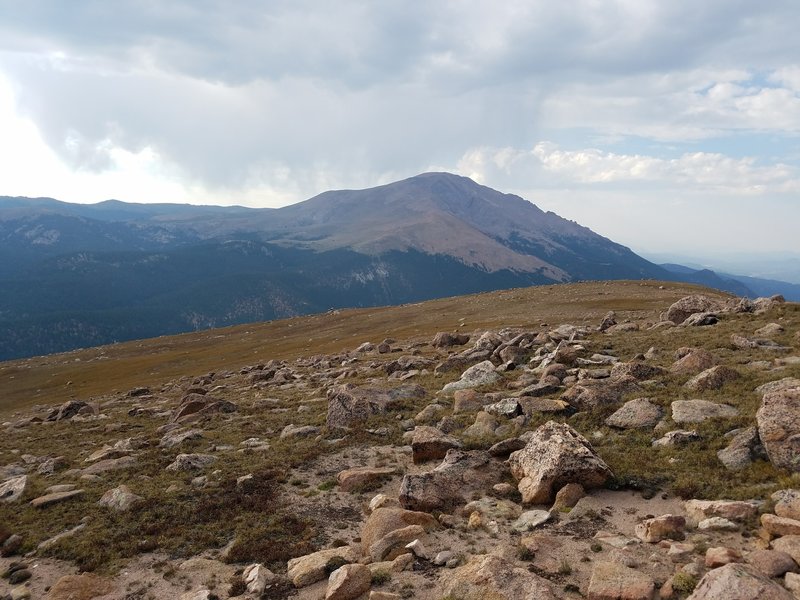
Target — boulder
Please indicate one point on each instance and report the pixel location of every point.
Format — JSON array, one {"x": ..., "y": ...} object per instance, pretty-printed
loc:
[
  {"x": 12, "y": 490},
  {"x": 69, "y": 409},
  {"x": 744, "y": 447},
  {"x": 739, "y": 582},
  {"x": 678, "y": 437},
  {"x": 298, "y": 431},
  {"x": 311, "y": 568},
  {"x": 80, "y": 587},
  {"x": 256, "y": 577},
  {"x": 593, "y": 394},
  {"x": 195, "y": 405},
  {"x": 555, "y": 455},
  {"x": 721, "y": 555},
  {"x": 679, "y": 311},
  {"x": 110, "y": 464},
  {"x": 467, "y": 401},
  {"x": 712, "y": 379},
  {"x": 665, "y": 527},
  {"x": 120, "y": 499},
  {"x": 703, "y": 319},
  {"x": 476, "y": 376},
  {"x": 568, "y": 496},
  {"x": 636, "y": 414},
  {"x": 614, "y": 581},
  {"x": 778, "y": 421},
  {"x": 779, "y": 526},
  {"x": 787, "y": 503},
  {"x": 697, "y": 411},
  {"x": 735, "y": 510},
  {"x": 349, "y": 405},
  {"x": 429, "y": 443},
  {"x": 789, "y": 544},
  {"x": 348, "y": 582},
  {"x": 191, "y": 462},
  {"x": 176, "y": 437},
  {"x": 694, "y": 361},
  {"x": 771, "y": 563},
  {"x": 492, "y": 577},
  {"x": 444, "y": 339},
  {"x": 448, "y": 485},
  {"x": 351, "y": 480},
  {"x": 639, "y": 371},
  {"x": 383, "y": 521},
  {"x": 55, "y": 498}
]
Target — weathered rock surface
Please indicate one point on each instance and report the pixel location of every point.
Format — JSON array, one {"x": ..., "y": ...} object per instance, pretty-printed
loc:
[
  {"x": 697, "y": 411},
  {"x": 712, "y": 379},
  {"x": 745, "y": 447},
  {"x": 55, "y": 498},
  {"x": 778, "y": 421},
  {"x": 615, "y": 581},
  {"x": 174, "y": 438},
  {"x": 348, "y": 582},
  {"x": 495, "y": 578},
  {"x": 349, "y": 405},
  {"x": 354, "y": 479},
  {"x": 555, "y": 455},
  {"x": 448, "y": 485},
  {"x": 12, "y": 490},
  {"x": 772, "y": 563},
  {"x": 483, "y": 373},
  {"x": 689, "y": 305},
  {"x": 444, "y": 339},
  {"x": 80, "y": 587},
  {"x": 191, "y": 462},
  {"x": 735, "y": 510},
  {"x": 635, "y": 414},
  {"x": 779, "y": 526},
  {"x": 739, "y": 582},
  {"x": 120, "y": 499},
  {"x": 665, "y": 527},
  {"x": 69, "y": 409},
  {"x": 429, "y": 443},
  {"x": 787, "y": 503},
  {"x": 592, "y": 394},
  {"x": 693, "y": 361},
  {"x": 308, "y": 569}
]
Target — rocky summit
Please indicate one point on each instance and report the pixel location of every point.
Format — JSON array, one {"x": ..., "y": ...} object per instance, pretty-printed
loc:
[{"x": 609, "y": 441}]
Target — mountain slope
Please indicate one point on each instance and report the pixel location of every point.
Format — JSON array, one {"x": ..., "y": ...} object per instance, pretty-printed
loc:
[{"x": 82, "y": 275}]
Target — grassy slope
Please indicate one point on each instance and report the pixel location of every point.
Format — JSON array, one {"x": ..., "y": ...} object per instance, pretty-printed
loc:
[{"x": 117, "y": 368}]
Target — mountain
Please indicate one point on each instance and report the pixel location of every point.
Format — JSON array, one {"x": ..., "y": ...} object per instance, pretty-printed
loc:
[
  {"x": 741, "y": 285},
  {"x": 82, "y": 275}
]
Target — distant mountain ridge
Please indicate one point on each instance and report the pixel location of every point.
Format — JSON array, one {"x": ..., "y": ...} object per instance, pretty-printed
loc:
[{"x": 79, "y": 275}]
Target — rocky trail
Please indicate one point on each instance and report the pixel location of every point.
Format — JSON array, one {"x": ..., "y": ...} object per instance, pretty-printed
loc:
[{"x": 626, "y": 458}]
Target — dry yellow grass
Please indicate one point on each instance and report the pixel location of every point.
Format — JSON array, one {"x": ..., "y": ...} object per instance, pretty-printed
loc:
[{"x": 116, "y": 368}]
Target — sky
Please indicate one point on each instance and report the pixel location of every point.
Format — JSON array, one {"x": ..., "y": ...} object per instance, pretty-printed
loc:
[{"x": 670, "y": 127}]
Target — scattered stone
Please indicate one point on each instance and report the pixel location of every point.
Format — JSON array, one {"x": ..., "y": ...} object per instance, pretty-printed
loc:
[
  {"x": 779, "y": 526},
  {"x": 596, "y": 393},
  {"x": 490, "y": 576},
  {"x": 665, "y": 527},
  {"x": 734, "y": 510},
  {"x": 635, "y": 414},
  {"x": 477, "y": 375},
  {"x": 530, "y": 520},
  {"x": 703, "y": 319},
  {"x": 484, "y": 426},
  {"x": 12, "y": 490},
  {"x": 717, "y": 524},
  {"x": 69, "y": 409},
  {"x": 55, "y": 498},
  {"x": 721, "y": 555},
  {"x": 446, "y": 340},
  {"x": 362, "y": 478},
  {"x": 639, "y": 371},
  {"x": 177, "y": 437},
  {"x": 195, "y": 405},
  {"x": 787, "y": 503},
  {"x": 693, "y": 361},
  {"x": 348, "y": 582},
  {"x": 120, "y": 499},
  {"x": 508, "y": 408},
  {"x": 679, "y": 311},
  {"x": 568, "y": 496},
  {"x": 308, "y": 569},
  {"x": 740, "y": 582},
  {"x": 697, "y": 411},
  {"x": 191, "y": 462},
  {"x": 789, "y": 544},
  {"x": 769, "y": 330},
  {"x": 384, "y": 521},
  {"x": 679, "y": 437},
  {"x": 445, "y": 487},
  {"x": 80, "y": 587},
  {"x": 418, "y": 549},
  {"x": 298, "y": 431},
  {"x": 429, "y": 443},
  {"x": 467, "y": 401},
  {"x": 256, "y": 577},
  {"x": 615, "y": 581},
  {"x": 771, "y": 563},
  {"x": 744, "y": 448},
  {"x": 712, "y": 379},
  {"x": 778, "y": 421},
  {"x": 505, "y": 447},
  {"x": 349, "y": 405},
  {"x": 11, "y": 545},
  {"x": 555, "y": 455}
]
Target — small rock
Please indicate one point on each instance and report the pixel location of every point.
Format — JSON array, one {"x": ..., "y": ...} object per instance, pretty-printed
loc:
[
  {"x": 780, "y": 526},
  {"x": 638, "y": 413},
  {"x": 531, "y": 519},
  {"x": 120, "y": 499},
  {"x": 348, "y": 582},
  {"x": 721, "y": 555},
  {"x": 665, "y": 527},
  {"x": 191, "y": 462},
  {"x": 771, "y": 563},
  {"x": 697, "y": 411}
]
